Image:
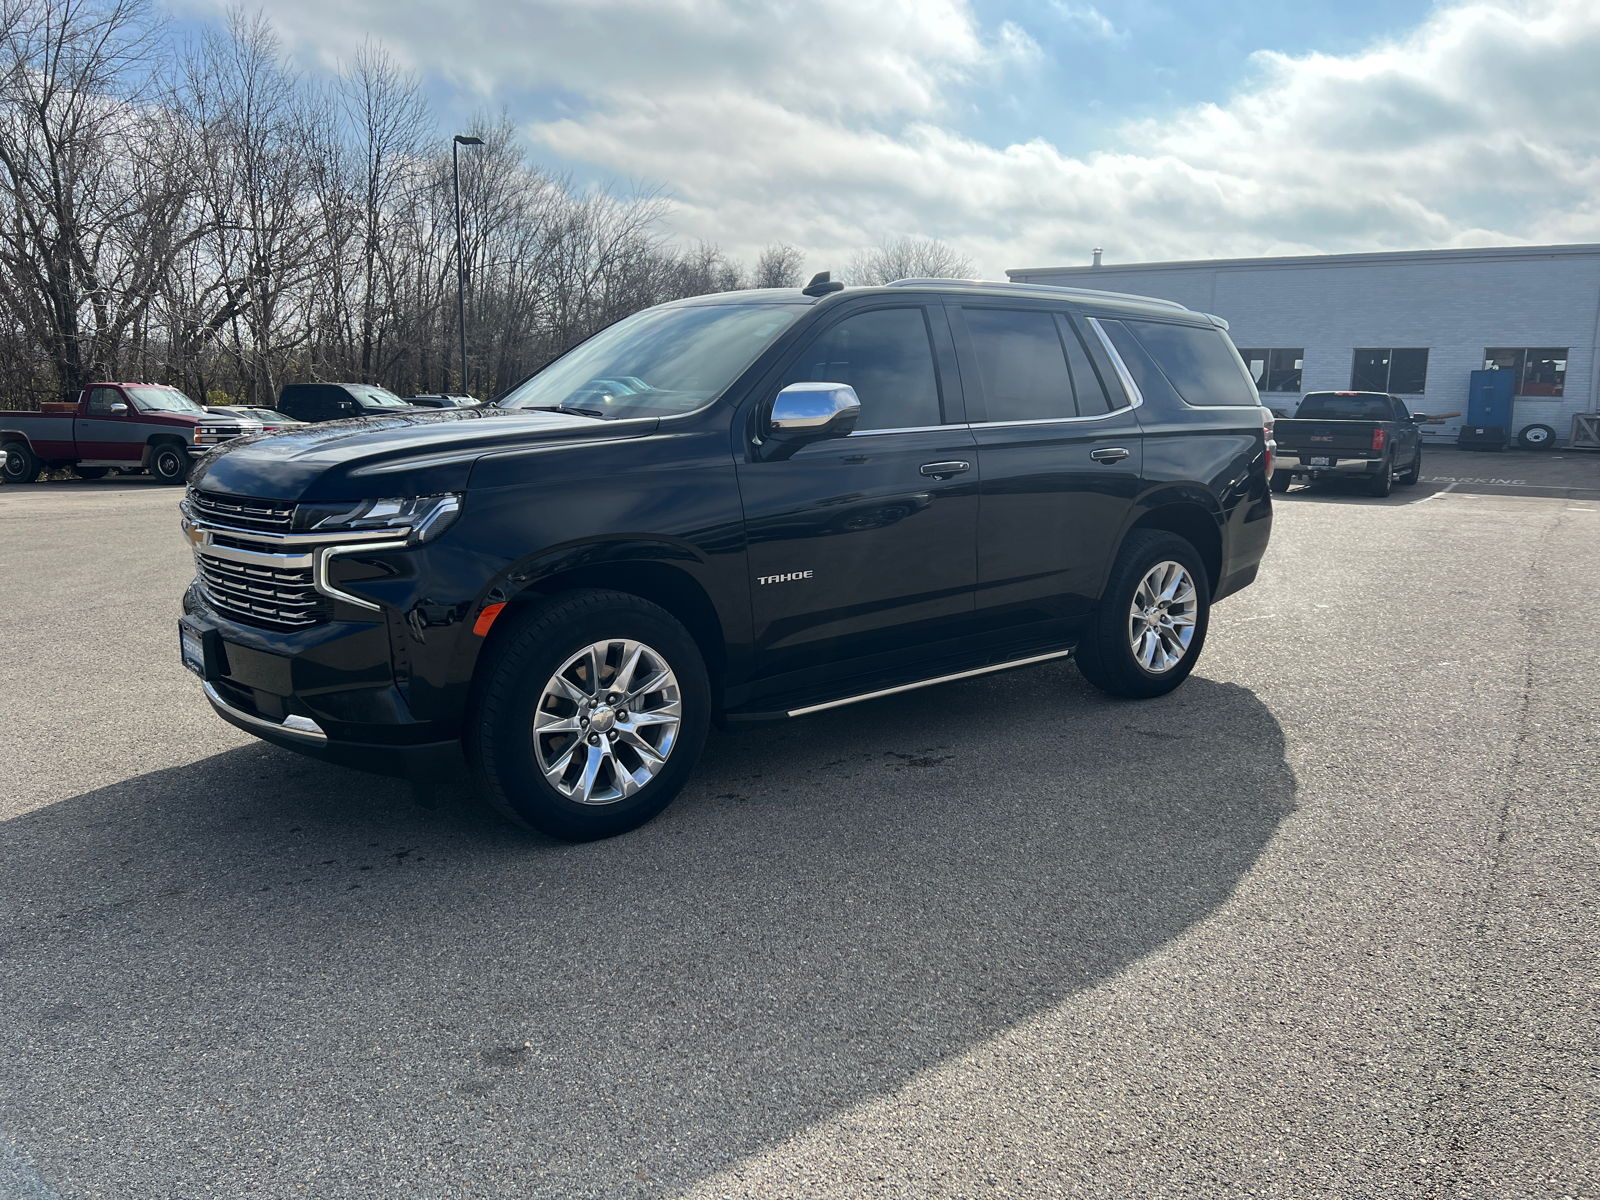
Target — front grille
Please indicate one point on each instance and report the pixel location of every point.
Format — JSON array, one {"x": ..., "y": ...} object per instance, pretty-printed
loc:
[
  {"x": 272, "y": 515},
  {"x": 279, "y": 597}
]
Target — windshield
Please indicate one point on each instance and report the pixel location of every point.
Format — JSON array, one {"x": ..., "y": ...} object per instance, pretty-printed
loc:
[
  {"x": 1358, "y": 407},
  {"x": 163, "y": 399},
  {"x": 375, "y": 397},
  {"x": 657, "y": 362}
]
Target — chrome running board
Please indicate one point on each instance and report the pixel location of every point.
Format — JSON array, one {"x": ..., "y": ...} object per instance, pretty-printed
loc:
[{"x": 922, "y": 683}]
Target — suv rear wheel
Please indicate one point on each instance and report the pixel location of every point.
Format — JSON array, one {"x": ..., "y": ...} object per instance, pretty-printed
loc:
[
  {"x": 1151, "y": 624},
  {"x": 588, "y": 714}
]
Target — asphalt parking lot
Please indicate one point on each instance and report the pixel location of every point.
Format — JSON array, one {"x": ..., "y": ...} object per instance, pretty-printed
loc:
[{"x": 1325, "y": 922}]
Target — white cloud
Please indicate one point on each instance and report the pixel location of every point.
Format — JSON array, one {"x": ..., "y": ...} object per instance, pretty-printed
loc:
[
  {"x": 829, "y": 125},
  {"x": 1086, "y": 19}
]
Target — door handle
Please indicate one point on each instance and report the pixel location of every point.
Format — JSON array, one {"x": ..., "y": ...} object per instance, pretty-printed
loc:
[
  {"x": 943, "y": 470},
  {"x": 1110, "y": 454}
]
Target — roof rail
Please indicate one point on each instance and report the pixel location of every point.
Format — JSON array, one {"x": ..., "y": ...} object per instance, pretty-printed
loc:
[{"x": 1000, "y": 285}]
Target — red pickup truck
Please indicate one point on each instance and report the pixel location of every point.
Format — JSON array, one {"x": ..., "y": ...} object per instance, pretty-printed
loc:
[{"x": 134, "y": 425}]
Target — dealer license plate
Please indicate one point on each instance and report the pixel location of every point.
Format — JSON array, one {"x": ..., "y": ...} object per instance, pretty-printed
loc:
[
  {"x": 1323, "y": 461},
  {"x": 194, "y": 651}
]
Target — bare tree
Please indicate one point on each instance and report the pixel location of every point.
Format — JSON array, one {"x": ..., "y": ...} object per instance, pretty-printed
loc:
[
  {"x": 390, "y": 119},
  {"x": 94, "y": 177},
  {"x": 907, "y": 258},
  {"x": 260, "y": 224},
  {"x": 779, "y": 267},
  {"x": 214, "y": 220}
]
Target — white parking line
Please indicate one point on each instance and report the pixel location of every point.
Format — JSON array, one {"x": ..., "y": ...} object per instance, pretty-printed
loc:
[{"x": 1435, "y": 495}]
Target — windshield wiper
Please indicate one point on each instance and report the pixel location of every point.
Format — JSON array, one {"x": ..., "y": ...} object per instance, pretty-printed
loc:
[{"x": 567, "y": 408}]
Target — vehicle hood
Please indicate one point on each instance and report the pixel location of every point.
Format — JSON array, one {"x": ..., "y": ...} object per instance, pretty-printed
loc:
[{"x": 419, "y": 453}]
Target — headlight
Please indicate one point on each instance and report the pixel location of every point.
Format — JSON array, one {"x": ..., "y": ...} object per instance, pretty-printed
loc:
[{"x": 425, "y": 517}]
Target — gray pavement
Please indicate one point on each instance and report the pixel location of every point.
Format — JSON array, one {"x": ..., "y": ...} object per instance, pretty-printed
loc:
[{"x": 1323, "y": 922}]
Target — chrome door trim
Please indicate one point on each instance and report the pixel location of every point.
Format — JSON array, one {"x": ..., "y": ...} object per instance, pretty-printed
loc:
[
  {"x": 1135, "y": 396},
  {"x": 1049, "y": 420},
  {"x": 326, "y": 554},
  {"x": 909, "y": 687},
  {"x": 312, "y": 736},
  {"x": 904, "y": 429}
]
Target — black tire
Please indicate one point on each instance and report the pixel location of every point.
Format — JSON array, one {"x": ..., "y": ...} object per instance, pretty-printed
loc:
[
  {"x": 91, "y": 472},
  {"x": 1537, "y": 437},
  {"x": 1105, "y": 654},
  {"x": 1281, "y": 481},
  {"x": 1383, "y": 481},
  {"x": 169, "y": 463},
  {"x": 1414, "y": 472},
  {"x": 21, "y": 464},
  {"x": 525, "y": 651}
]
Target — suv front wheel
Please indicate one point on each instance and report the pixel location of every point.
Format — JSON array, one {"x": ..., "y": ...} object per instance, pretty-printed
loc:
[
  {"x": 588, "y": 714},
  {"x": 1151, "y": 624}
]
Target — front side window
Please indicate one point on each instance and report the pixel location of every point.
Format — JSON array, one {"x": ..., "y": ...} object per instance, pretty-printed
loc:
[
  {"x": 101, "y": 400},
  {"x": 164, "y": 399},
  {"x": 1539, "y": 372},
  {"x": 657, "y": 362},
  {"x": 887, "y": 356},
  {"x": 1275, "y": 370},
  {"x": 1023, "y": 364},
  {"x": 1390, "y": 370},
  {"x": 1201, "y": 364}
]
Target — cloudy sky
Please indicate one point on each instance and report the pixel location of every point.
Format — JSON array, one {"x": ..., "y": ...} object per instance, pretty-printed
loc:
[{"x": 1025, "y": 132}]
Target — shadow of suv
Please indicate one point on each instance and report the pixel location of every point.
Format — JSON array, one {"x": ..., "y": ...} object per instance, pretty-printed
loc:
[{"x": 733, "y": 508}]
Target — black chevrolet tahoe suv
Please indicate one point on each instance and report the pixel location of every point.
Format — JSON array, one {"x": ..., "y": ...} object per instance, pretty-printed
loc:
[{"x": 731, "y": 509}]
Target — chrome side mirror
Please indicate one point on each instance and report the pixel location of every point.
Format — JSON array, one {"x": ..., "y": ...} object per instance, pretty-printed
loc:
[
  {"x": 118, "y": 408},
  {"x": 809, "y": 412}
]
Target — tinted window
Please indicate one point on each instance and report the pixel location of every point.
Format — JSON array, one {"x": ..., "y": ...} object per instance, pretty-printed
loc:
[
  {"x": 1022, "y": 364},
  {"x": 1201, "y": 364},
  {"x": 887, "y": 357},
  {"x": 1151, "y": 382},
  {"x": 1085, "y": 379},
  {"x": 1334, "y": 406},
  {"x": 1401, "y": 412},
  {"x": 101, "y": 400}
]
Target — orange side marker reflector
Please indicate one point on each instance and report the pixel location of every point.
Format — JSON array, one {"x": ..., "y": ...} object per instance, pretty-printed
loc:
[{"x": 486, "y": 619}]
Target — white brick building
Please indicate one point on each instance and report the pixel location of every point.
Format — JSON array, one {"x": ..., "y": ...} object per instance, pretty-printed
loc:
[{"x": 1351, "y": 318}]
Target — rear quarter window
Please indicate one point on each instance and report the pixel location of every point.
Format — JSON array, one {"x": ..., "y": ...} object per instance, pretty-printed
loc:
[{"x": 1201, "y": 364}]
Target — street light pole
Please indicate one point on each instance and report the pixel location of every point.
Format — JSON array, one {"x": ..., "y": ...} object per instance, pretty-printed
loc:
[{"x": 461, "y": 265}]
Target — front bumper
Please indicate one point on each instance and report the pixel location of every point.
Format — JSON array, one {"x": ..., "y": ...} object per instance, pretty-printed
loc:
[{"x": 423, "y": 762}]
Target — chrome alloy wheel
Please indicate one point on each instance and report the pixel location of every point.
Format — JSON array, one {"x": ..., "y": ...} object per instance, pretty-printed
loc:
[
  {"x": 1161, "y": 617},
  {"x": 607, "y": 721}
]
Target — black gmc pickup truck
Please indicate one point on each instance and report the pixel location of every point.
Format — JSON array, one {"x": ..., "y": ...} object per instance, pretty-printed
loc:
[
  {"x": 731, "y": 509},
  {"x": 1370, "y": 436}
]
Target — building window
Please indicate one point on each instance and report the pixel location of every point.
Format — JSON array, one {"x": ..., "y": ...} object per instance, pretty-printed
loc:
[
  {"x": 1404, "y": 372},
  {"x": 1540, "y": 372},
  {"x": 1275, "y": 370}
]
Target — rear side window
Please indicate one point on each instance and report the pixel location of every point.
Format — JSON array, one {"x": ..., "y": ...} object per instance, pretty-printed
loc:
[
  {"x": 1152, "y": 383},
  {"x": 1022, "y": 363},
  {"x": 1201, "y": 364},
  {"x": 887, "y": 357}
]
